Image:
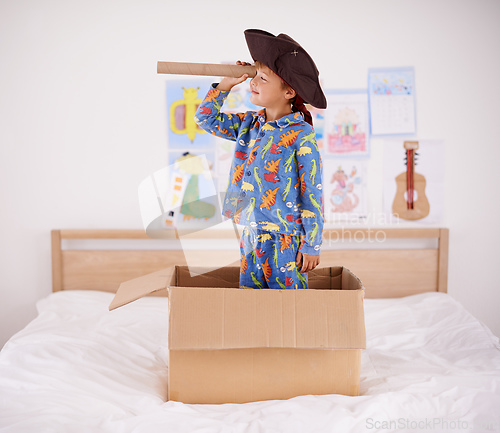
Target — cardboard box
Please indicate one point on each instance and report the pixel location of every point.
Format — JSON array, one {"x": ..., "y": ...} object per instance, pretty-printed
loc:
[{"x": 228, "y": 345}]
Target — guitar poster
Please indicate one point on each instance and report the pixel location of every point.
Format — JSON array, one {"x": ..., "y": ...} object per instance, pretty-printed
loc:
[
  {"x": 428, "y": 188},
  {"x": 392, "y": 101},
  {"x": 344, "y": 185},
  {"x": 346, "y": 123}
]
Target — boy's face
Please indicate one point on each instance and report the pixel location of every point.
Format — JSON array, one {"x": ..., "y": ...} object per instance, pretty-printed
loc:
[{"x": 267, "y": 89}]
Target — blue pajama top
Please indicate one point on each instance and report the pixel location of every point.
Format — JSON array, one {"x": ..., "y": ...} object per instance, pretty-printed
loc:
[{"x": 275, "y": 182}]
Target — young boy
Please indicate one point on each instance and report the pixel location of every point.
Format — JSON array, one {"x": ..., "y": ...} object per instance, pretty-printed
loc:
[{"x": 275, "y": 185}]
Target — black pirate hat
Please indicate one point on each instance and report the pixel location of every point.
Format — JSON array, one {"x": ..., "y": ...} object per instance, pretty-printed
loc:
[{"x": 290, "y": 61}]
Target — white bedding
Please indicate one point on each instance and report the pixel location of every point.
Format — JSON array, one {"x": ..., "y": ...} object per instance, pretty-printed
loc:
[{"x": 429, "y": 366}]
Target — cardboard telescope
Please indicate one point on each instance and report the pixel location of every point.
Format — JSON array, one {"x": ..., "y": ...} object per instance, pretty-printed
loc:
[{"x": 215, "y": 70}]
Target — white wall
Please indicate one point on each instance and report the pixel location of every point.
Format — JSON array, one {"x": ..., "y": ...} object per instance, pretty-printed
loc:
[{"x": 83, "y": 114}]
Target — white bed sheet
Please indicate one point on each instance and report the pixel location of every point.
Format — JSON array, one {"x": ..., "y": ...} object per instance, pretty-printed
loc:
[{"x": 429, "y": 366}]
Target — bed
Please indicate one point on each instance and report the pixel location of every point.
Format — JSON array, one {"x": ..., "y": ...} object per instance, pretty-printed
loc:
[{"x": 428, "y": 365}]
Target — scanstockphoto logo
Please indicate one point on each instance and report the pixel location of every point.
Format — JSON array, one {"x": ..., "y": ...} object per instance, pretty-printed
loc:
[{"x": 432, "y": 424}]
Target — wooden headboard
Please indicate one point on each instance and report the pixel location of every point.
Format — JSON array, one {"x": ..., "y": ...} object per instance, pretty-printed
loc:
[{"x": 386, "y": 270}]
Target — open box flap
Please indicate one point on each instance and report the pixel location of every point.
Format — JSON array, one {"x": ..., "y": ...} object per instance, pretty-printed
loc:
[{"x": 137, "y": 288}]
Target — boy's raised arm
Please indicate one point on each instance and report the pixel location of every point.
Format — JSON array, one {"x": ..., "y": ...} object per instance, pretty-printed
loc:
[{"x": 209, "y": 116}]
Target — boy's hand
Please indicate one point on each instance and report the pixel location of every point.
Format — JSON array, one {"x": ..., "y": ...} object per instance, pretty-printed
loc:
[
  {"x": 227, "y": 83},
  {"x": 308, "y": 262}
]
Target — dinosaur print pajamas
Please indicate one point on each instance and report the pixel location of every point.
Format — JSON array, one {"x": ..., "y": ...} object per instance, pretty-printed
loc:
[{"x": 275, "y": 190}]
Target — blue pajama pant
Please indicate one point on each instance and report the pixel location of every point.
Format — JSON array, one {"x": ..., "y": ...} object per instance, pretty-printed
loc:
[{"x": 268, "y": 261}]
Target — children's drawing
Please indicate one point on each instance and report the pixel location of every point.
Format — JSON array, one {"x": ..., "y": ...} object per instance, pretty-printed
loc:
[
  {"x": 160, "y": 197},
  {"x": 197, "y": 171},
  {"x": 345, "y": 189},
  {"x": 183, "y": 98},
  {"x": 346, "y": 123},
  {"x": 318, "y": 116},
  {"x": 182, "y": 195},
  {"x": 392, "y": 101},
  {"x": 238, "y": 100},
  {"x": 414, "y": 180}
]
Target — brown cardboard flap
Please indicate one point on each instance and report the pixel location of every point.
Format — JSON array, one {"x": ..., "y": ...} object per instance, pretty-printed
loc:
[
  {"x": 325, "y": 278},
  {"x": 335, "y": 277},
  {"x": 349, "y": 280},
  {"x": 219, "y": 318},
  {"x": 136, "y": 288}
]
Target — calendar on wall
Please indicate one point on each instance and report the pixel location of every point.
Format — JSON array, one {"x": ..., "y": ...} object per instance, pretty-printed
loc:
[{"x": 391, "y": 94}]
